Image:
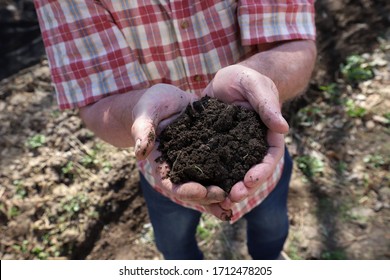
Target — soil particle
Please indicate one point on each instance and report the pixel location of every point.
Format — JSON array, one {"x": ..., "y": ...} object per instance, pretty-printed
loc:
[
  {"x": 213, "y": 143},
  {"x": 151, "y": 139}
]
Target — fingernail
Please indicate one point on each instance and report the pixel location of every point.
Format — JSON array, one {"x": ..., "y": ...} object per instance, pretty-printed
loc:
[{"x": 283, "y": 120}]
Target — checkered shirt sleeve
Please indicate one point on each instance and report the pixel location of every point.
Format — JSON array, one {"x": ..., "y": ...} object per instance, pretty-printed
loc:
[{"x": 268, "y": 21}]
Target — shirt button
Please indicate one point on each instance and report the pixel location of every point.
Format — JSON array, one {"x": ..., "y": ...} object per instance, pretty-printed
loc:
[
  {"x": 184, "y": 24},
  {"x": 198, "y": 78}
]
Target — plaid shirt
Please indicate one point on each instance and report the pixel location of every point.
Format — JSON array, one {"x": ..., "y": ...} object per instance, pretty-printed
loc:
[{"x": 98, "y": 48}]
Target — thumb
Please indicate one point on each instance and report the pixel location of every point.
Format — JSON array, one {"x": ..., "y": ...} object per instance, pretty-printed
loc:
[
  {"x": 270, "y": 113},
  {"x": 157, "y": 104},
  {"x": 143, "y": 131},
  {"x": 265, "y": 100}
]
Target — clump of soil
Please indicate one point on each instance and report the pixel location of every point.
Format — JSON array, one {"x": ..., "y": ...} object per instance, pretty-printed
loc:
[{"x": 213, "y": 143}]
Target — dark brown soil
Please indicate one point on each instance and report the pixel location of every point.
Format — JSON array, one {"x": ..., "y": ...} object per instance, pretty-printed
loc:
[{"x": 213, "y": 143}]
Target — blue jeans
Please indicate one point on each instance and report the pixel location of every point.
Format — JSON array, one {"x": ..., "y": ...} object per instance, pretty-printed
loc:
[{"x": 175, "y": 226}]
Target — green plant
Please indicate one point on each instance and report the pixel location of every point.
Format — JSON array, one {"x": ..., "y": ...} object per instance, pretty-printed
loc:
[
  {"x": 46, "y": 239},
  {"x": 22, "y": 248},
  {"x": 36, "y": 141},
  {"x": 331, "y": 92},
  {"x": 20, "y": 191},
  {"x": 308, "y": 115},
  {"x": 91, "y": 156},
  {"x": 89, "y": 159},
  {"x": 374, "y": 161},
  {"x": 40, "y": 253},
  {"x": 310, "y": 165},
  {"x": 366, "y": 182},
  {"x": 330, "y": 88},
  {"x": 334, "y": 255},
  {"x": 357, "y": 69},
  {"x": 353, "y": 110},
  {"x": 361, "y": 219},
  {"x": 293, "y": 253},
  {"x": 68, "y": 168},
  {"x": 292, "y": 249},
  {"x": 203, "y": 233},
  {"x": 13, "y": 211},
  {"x": 147, "y": 234},
  {"x": 50, "y": 246},
  {"x": 206, "y": 228},
  {"x": 107, "y": 166},
  {"x": 73, "y": 205},
  {"x": 387, "y": 116},
  {"x": 341, "y": 167},
  {"x": 344, "y": 211},
  {"x": 55, "y": 113}
]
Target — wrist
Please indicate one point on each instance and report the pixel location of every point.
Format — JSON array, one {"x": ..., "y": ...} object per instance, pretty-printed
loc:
[{"x": 288, "y": 64}]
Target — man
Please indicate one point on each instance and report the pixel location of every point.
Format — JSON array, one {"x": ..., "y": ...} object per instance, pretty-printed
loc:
[{"x": 132, "y": 66}]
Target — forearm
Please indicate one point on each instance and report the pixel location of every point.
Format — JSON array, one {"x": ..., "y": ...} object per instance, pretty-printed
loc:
[
  {"x": 111, "y": 118},
  {"x": 289, "y": 65}
]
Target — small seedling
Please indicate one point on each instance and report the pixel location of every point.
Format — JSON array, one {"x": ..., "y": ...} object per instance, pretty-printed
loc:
[
  {"x": 89, "y": 159},
  {"x": 366, "y": 181},
  {"x": 341, "y": 167},
  {"x": 374, "y": 161},
  {"x": 20, "y": 191},
  {"x": 353, "y": 110},
  {"x": 207, "y": 228},
  {"x": 147, "y": 234},
  {"x": 107, "y": 166},
  {"x": 55, "y": 113},
  {"x": 387, "y": 116},
  {"x": 310, "y": 166},
  {"x": 203, "y": 233},
  {"x": 75, "y": 204},
  {"x": 36, "y": 141},
  {"x": 334, "y": 255},
  {"x": 40, "y": 253},
  {"x": 23, "y": 248},
  {"x": 330, "y": 88},
  {"x": 68, "y": 168},
  {"x": 13, "y": 212},
  {"x": 331, "y": 92},
  {"x": 357, "y": 69},
  {"x": 292, "y": 249},
  {"x": 308, "y": 115}
]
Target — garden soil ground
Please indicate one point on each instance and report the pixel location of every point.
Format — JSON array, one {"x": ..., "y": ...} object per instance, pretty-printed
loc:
[{"x": 65, "y": 194}]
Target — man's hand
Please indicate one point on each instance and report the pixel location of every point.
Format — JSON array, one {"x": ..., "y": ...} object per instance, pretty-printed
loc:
[
  {"x": 288, "y": 65},
  {"x": 157, "y": 107},
  {"x": 238, "y": 84},
  {"x": 135, "y": 119}
]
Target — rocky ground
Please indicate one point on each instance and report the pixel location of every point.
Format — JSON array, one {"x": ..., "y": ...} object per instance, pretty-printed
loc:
[{"x": 66, "y": 194}]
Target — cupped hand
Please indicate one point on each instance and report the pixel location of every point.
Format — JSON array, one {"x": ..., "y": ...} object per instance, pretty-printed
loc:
[
  {"x": 158, "y": 107},
  {"x": 246, "y": 87}
]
